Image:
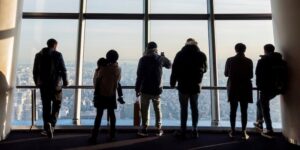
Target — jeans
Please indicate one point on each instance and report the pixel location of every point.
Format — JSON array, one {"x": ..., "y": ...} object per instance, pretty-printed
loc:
[
  {"x": 263, "y": 111},
  {"x": 233, "y": 109},
  {"x": 51, "y": 102},
  {"x": 145, "y": 102},
  {"x": 184, "y": 100},
  {"x": 97, "y": 123}
]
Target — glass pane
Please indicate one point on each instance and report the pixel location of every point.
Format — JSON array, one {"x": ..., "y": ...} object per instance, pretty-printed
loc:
[
  {"x": 34, "y": 36},
  {"x": 51, "y": 6},
  {"x": 115, "y": 6},
  {"x": 123, "y": 36},
  {"x": 178, "y": 6},
  {"x": 22, "y": 108},
  {"x": 169, "y": 105},
  {"x": 242, "y": 6},
  {"x": 170, "y": 37}
]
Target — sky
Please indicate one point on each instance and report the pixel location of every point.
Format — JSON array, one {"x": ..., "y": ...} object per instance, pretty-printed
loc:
[{"x": 126, "y": 36}]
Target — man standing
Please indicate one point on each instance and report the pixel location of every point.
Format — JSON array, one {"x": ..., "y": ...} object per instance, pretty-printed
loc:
[
  {"x": 188, "y": 68},
  {"x": 49, "y": 74},
  {"x": 148, "y": 85},
  {"x": 239, "y": 70},
  {"x": 268, "y": 70}
]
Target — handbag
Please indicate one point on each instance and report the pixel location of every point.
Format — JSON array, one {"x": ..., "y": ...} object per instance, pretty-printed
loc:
[{"x": 136, "y": 113}]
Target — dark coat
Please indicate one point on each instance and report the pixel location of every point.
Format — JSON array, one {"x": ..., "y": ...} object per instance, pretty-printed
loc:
[
  {"x": 239, "y": 70},
  {"x": 188, "y": 68},
  {"x": 264, "y": 73},
  {"x": 149, "y": 73},
  {"x": 49, "y": 68}
]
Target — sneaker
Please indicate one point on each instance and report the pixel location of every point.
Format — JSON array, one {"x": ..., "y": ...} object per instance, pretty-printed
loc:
[
  {"x": 180, "y": 134},
  {"x": 143, "y": 133},
  {"x": 159, "y": 132},
  {"x": 44, "y": 133},
  {"x": 121, "y": 100},
  {"x": 232, "y": 134},
  {"x": 92, "y": 140},
  {"x": 245, "y": 136},
  {"x": 268, "y": 134},
  {"x": 195, "y": 134},
  {"x": 258, "y": 126},
  {"x": 49, "y": 131}
]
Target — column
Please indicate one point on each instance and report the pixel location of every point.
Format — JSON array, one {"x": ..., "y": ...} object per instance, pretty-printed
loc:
[
  {"x": 286, "y": 22},
  {"x": 10, "y": 17}
]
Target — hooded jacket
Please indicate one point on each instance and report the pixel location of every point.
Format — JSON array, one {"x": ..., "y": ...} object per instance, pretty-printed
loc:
[
  {"x": 188, "y": 68},
  {"x": 149, "y": 73}
]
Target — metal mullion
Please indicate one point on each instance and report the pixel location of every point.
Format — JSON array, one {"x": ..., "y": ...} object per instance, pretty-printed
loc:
[
  {"x": 146, "y": 25},
  {"x": 113, "y": 16},
  {"x": 38, "y": 15},
  {"x": 79, "y": 62},
  {"x": 215, "y": 107},
  {"x": 178, "y": 16},
  {"x": 243, "y": 16}
]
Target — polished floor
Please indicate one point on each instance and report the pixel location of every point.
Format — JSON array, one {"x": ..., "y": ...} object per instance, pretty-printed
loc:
[{"x": 128, "y": 140}]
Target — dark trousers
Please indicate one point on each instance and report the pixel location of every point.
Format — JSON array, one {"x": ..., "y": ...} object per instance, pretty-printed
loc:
[
  {"x": 184, "y": 100},
  {"x": 233, "y": 109},
  {"x": 97, "y": 123},
  {"x": 263, "y": 111},
  {"x": 51, "y": 101}
]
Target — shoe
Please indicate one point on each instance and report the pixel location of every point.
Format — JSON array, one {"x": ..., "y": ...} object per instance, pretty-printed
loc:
[
  {"x": 258, "y": 126},
  {"x": 232, "y": 134},
  {"x": 44, "y": 133},
  {"x": 269, "y": 134},
  {"x": 195, "y": 134},
  {"x": 245, "y": 136},
  {"x": 121, "y": 100},
  {"x": 159, "y": 132},
  {"x": 49, "y": 131},
  {"x": 92, "y": 140},
  {"x": 143, "y": 133},
  {"x": 180, "y": 134}
]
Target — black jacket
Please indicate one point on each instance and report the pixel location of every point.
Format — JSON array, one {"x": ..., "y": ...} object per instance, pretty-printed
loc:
[
  {"x": 49, "y": 68},
  {"x": 239, "y": 70},
  {"x": 264, "y": 73},
  {"x": 188, "y": 68},
  {"x": 149, "y": 73}
]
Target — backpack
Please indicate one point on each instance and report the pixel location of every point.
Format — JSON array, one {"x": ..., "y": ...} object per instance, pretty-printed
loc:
[{"x": 279, "y": 76}]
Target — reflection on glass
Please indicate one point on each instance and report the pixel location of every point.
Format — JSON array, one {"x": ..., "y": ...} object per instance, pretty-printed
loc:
[
  {"x": 242, "y": 6},
  {"x": 178, "y": 6},
  {"x": 34, "y": 36},
  {"x": 51, "y": 6},
  {"x": 170, "y": 37},
  {"x": 123, "y": 36},
  {"x": 114, "y": 6},
  {"x": 169, "y": 105}
]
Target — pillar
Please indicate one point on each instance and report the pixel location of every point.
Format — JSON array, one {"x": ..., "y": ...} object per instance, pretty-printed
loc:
[
  {"x": 286, "y": 25},
  {"x": 10, "y": 17}
]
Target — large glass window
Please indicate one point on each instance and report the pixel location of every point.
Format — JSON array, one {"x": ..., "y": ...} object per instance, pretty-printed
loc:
[
  {"x": 101, "y": 36},
  {"x": 242, "y": 6},
  {"x": 178, "y": 6},
  {"x": 66, "y": 6},
  {"x": 254, "y": 34},
  {"x": 171, "y": 36},
  {"x": 115, "y": 6},
  {"x": 34, "y": 36}
]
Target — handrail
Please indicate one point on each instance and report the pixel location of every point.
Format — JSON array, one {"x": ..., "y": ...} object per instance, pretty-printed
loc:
[{"x": 124, "y": 87}]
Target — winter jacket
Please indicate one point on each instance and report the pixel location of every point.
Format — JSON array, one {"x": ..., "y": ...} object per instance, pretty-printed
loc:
[
  {"x": 188, "y": 68},
  {"x": 149, "y": 73},
  {"x": 49, "y": 68},
  {"x": 239, "y": 70}
]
